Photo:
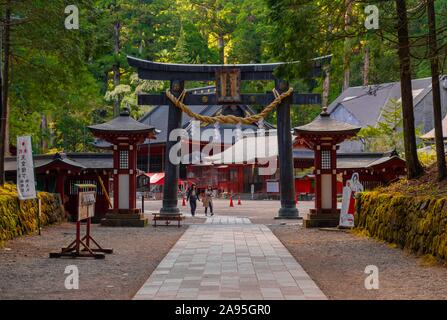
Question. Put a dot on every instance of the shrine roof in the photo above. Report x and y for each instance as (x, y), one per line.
(366, 159)
(365, 105)
(325, 125)
(123, 123)
(82, 161)
(431, 134)
(352, 160)
(159, 116)
(62, 157)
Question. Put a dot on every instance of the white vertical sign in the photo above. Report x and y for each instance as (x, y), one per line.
(348, 201)
(25, 169)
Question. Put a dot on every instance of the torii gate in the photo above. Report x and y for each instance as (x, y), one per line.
(229, 78)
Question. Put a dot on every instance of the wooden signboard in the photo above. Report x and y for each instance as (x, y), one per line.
(86, 205)
(82, 247)
(228, 85)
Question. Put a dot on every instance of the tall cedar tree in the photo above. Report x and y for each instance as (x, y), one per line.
(437, 113)
(414, 168)
(4, 80)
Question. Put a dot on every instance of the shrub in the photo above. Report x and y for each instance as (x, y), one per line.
(19, 218)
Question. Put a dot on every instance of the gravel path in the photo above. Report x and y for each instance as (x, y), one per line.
(26, 272)
(336, 261)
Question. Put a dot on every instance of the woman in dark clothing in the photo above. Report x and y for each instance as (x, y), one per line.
(192, 196)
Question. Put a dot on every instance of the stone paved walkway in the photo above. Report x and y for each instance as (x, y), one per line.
(229, 258)
(227, 220)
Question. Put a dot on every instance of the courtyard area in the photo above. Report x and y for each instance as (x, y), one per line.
(242, 252)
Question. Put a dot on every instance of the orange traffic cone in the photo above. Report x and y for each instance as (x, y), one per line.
(183, 202)
(239, 200)
(231, 201)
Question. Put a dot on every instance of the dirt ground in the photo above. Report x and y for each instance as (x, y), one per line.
(336, 261)
(26, 272)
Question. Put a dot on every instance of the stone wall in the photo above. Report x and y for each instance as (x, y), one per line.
(19, 218)
(418, 224)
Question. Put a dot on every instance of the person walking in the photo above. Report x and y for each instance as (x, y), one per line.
(208, 200)
(192, 196)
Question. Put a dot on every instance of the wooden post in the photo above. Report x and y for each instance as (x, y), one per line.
(172, 170)
(39, 212)
(288, 208)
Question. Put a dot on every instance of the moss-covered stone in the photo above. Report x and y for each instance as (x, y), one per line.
(19, 218)
(415, 223)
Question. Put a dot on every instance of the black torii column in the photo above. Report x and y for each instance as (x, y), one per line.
(172, 170)
(288, 208)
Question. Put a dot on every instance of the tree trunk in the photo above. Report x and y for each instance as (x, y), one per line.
(366, 66)
(116, 66)
(44, 137)
(221, 47)
(105, 83)
(4, 94)
(437, 113)
(326, 86)
(414, 168)
(347, 47)
(6, 67)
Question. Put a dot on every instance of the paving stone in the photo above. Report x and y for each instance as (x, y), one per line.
(229, 258)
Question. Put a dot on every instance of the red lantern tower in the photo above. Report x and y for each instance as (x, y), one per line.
(125, 134)
(323, 136)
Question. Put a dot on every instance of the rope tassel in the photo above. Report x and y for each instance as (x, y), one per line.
(229, 119)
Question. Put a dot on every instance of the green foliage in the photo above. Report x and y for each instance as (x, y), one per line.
(66, 77)
(427, 157)
(387, 134)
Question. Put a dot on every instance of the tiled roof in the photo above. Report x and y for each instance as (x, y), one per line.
(431, 134)
(366, 104)
(80, 160)
(123, 123)
(158, 117)
(325, 124)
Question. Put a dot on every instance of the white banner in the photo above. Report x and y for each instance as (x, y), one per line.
(25, 169)
(348, 201)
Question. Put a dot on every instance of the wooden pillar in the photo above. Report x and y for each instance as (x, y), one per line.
(132, 177)
(334, 177)
(287, 187)
(172, 170)
(240, 177)
(60, 181)
(115, 178)
(318, 178)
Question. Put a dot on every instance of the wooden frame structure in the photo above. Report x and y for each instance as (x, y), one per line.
(81, 247)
